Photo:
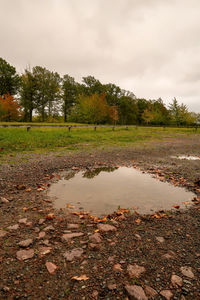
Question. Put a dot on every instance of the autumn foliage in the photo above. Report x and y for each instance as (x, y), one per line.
(9, 108)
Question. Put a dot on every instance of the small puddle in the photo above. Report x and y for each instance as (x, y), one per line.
(188, 157)
(103, 191)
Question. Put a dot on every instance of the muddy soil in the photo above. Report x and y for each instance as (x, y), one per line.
(49, 254)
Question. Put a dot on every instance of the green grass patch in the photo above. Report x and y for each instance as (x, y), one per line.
(15, 140)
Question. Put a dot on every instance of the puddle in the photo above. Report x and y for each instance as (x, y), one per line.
(102, 192)
(188, 157)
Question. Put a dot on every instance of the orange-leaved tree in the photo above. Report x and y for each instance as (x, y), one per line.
(9, 108)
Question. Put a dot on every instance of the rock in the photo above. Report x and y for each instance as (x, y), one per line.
(114, 222)
(75, 253)
(117, 268)
(167, 294)
(41, 221)
(169, 255)
(2, 233)
(23, 221)
(94, 247)
(72, 226)
(135, 292)
(95, 294)
(176, 281)
(160, 239)
(49, 228)
(150, 292)
(95, 238)
(68, 236)
(187, 271)
(112, 286)
(51, 267)
(106, 227)
(138, 237)
(25, 243)
(135, 270)
(44, 250)
(111, 259)
(121, 218)
(3, 200)
(29, 224)
(13, 227)
(46, 242)
(25, 254)
(41, 235)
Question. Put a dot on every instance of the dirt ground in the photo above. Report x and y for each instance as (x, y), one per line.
(48, 254)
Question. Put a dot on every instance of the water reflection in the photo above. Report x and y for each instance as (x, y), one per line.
(102, 190)
(189, 157)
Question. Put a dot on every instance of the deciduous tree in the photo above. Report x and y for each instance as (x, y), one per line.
(9, 108)
(9, 79)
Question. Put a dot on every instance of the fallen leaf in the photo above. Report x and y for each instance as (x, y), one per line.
(50, 216)
(70, 206)
(28, 190)
(186, 202)
(176, 206)
(20, 187)
(138, 221)
(81, 277)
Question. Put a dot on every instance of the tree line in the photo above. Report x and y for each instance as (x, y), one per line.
(42, 95)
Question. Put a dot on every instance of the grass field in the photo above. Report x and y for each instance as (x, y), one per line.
(15, 140)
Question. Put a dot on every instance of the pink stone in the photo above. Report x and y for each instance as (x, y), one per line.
(106, 227)
(75, 253)
(68, 236)
(25, 254)
(117, 268)
(13, 227)
(135, 270)
(25, 243)
(176, 281)
(167, 294)
(136, 292)
(2, 233)
(95, 238)
(23, 221)
(72, 226)
(187, 271)
(150, 292)
(44, 250)
(41, 235)
(51, 267)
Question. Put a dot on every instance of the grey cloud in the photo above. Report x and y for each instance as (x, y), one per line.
(150, 47)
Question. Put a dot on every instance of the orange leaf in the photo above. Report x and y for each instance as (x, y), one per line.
(50, 216)
(81, 277)
(176, 206)
(138, 221)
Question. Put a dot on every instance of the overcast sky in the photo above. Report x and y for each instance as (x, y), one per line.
(150, 47)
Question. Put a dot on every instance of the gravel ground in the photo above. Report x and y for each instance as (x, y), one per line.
(48, 254)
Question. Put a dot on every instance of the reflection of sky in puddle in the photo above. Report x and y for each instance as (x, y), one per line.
(189, 157)
(124, 187)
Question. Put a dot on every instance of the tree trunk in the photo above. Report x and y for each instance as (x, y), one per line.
(30, 115)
